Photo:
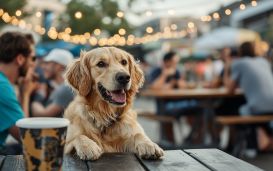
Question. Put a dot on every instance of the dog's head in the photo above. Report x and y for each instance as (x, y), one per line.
(109, 72)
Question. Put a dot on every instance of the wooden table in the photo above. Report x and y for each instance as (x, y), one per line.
(190, 93)
(207, 96)
(175, 160)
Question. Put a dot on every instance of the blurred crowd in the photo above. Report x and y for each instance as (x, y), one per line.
(246, 67)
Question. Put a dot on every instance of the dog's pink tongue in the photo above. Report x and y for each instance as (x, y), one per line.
(118, 96)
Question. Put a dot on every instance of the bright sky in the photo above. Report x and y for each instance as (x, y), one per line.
(161, 8)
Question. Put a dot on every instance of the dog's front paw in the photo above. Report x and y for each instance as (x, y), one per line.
(88, 150)
(149, 150)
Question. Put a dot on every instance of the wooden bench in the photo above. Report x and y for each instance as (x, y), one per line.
(243, 120)
(243, 130)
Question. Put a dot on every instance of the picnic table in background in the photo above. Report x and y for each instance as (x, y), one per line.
(176, 160)
(198, 93)
(206, 96)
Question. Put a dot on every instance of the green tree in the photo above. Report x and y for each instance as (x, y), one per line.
(92, 17)
(11, 6)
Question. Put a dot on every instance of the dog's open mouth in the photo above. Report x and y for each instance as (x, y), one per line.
(117, 97)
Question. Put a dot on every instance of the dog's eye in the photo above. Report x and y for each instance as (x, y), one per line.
(101, 64)
(124, 62)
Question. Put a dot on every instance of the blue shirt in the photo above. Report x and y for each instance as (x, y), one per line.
(10, 109)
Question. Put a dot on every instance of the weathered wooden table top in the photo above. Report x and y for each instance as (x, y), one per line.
(177, 160)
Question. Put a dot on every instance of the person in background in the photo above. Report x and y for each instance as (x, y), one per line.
(16, 60)
(254, 76)
(229, 106)
(210, 72)
(168, 77)
(54, 66)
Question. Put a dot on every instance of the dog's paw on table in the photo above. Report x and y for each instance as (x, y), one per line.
(88, 151)
(149, 151)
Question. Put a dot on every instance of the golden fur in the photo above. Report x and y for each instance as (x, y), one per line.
(98, 126)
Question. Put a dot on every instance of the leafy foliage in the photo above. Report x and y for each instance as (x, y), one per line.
(93, 14)
(11, 6)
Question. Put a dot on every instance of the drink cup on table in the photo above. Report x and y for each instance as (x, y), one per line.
(43, 140)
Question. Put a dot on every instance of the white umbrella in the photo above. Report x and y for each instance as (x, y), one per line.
(225, 37)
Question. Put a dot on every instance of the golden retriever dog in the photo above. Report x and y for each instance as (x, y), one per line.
(102, 120)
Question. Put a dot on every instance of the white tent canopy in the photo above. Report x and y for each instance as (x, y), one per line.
(225, 37)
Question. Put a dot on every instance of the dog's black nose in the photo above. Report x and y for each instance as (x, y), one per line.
(122, 78)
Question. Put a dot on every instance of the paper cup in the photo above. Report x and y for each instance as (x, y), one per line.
(43, 141)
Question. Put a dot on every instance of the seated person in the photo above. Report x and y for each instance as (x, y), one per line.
(16, 60)
(227, 106)
(168, 77)
(61, 95)
(253, 75)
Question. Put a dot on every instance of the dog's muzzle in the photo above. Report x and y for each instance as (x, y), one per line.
(117, 97)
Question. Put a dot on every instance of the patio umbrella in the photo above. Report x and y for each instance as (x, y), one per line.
(225, 37)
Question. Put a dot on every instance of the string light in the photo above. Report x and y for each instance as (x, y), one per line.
(18, 13)
(190, 25)
(68, 30)
(122, 31)
(97, 32)
(15, 21)
(87, 35)
(118, 39)
(206, 18)
(120, 14)
(93, 41)
(216, 16)
(254, 3)
(1, 12)
(38, 14)
(242, 6)
(78, 15)
(6, 17)
(228, 11)
(149, 29)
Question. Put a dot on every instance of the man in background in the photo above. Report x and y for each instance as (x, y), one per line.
(168, 77)
(16, 60)
(61, 95)
(254, 76)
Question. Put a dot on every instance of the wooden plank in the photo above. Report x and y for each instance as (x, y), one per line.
(190, 93)
(2, 158)
(73, 162)
(233, 120)
(14, 163)
(219, 160)
(174, 160)
(116, 162)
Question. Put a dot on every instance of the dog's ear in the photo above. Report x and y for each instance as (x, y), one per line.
(79, 77)
(136, 73)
